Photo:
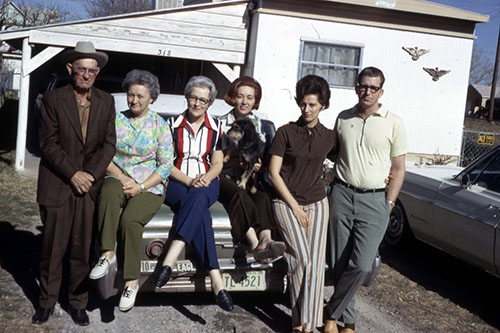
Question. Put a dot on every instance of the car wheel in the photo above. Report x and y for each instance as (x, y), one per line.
(397, 229)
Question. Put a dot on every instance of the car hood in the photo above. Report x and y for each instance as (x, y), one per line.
(440, 172)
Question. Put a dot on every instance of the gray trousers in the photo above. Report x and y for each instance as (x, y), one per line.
(359, 221)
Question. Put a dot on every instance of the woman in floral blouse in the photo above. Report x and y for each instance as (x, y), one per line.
(135, 181)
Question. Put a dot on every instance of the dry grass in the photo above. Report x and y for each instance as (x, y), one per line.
(405, 289)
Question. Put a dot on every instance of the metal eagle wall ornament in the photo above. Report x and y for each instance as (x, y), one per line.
(415, 52)
(436, 73)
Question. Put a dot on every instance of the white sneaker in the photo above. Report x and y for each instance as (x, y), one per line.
(127, 300)
(102, 267)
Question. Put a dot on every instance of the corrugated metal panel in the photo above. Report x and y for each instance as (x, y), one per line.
(485, 91)
(160, 4)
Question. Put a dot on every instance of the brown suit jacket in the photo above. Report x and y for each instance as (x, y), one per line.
(61, 143)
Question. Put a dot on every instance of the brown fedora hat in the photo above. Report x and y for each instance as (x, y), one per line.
(84, 50)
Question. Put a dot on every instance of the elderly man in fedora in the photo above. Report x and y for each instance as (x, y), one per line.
(77, 140)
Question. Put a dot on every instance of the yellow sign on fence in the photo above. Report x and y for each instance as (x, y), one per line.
(485, 139)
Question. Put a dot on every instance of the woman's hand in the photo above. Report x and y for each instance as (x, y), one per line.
(126, 180)
(202, 181)
(282, 189)
(387, 181)
(257, 166)
(131, 190)
(301, 217)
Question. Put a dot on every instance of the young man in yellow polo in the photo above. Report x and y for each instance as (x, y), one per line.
(372, 144)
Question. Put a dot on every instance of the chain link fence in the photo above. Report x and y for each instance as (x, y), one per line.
(475, 143)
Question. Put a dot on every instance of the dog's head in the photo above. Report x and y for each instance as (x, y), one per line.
(241, 128)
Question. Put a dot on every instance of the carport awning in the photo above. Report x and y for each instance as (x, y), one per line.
(215, 32)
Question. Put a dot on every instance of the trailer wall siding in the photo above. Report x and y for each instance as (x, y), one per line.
(431, 110)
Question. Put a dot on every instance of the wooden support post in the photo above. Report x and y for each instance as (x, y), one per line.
(22, 122)
(228, 72)
(494, 81)
(41, 58)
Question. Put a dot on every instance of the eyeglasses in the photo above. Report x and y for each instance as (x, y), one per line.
(82, 70)
(373, 89)
(194, 99)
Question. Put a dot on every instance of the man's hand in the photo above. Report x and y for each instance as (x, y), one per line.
(82, 181)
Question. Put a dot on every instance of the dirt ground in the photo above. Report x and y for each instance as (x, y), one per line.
(417, 285)
(474, 124)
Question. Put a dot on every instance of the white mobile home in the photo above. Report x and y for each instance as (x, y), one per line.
(335, 39)
(278, 41)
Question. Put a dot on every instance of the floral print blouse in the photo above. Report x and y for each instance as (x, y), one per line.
(143, 146)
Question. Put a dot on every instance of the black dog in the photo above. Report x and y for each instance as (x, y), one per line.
(249, 146)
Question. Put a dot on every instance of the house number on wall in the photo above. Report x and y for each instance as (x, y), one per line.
(164, 52)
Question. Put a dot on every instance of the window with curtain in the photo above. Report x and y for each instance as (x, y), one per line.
(337, 64)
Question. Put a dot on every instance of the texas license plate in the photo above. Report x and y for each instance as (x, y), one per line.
(239, 281)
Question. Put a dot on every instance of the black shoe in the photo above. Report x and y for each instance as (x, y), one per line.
(224, 300)
(162, 276)
(80, 317)
(41, 315)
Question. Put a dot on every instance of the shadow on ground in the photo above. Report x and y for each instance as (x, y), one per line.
(261, 305)
(20, 256)
(453, 279)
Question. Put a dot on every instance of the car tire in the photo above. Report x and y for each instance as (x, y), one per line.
(397, 229)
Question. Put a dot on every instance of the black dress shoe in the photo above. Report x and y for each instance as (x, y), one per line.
(224, 300)
(41, 315)
(162, 276)
(80, 317)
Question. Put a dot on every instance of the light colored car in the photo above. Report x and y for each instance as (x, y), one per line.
(240, 272)
(453, 209)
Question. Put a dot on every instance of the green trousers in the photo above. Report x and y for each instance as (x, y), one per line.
(126, 217)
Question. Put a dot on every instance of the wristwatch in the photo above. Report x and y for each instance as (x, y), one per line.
(142, 188)
(391, 203)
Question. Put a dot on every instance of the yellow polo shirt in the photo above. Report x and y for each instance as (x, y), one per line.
(367, 146)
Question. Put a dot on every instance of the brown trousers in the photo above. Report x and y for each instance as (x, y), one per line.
(68, 225)
(245, 209)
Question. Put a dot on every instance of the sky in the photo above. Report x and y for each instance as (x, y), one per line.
(487, 33)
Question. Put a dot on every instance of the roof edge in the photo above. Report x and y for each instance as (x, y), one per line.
(129, 15)
(428, 8)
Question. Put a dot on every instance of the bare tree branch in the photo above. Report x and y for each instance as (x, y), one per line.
(100, 8)
(481, 69)
(33, 14)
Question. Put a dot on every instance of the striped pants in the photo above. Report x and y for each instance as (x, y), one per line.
(305, 256)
